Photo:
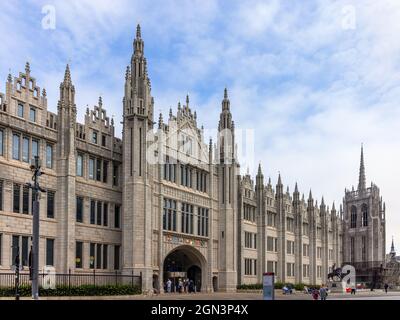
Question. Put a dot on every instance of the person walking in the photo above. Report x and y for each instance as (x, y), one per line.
(386, 287)
(169, 284)
(323, 293)
(315, 294)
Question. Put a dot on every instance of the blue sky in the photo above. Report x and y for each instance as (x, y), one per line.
(313, 79)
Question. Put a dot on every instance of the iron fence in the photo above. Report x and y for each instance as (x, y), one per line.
(8, 280)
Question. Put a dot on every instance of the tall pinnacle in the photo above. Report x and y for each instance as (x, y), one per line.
(67, 75)
(392, 247)
(259, 173)
(295, 188)
(138, 32)
(361, 179)
(279, 179)
(225, 93)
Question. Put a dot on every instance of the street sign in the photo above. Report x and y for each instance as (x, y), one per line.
(268, 286)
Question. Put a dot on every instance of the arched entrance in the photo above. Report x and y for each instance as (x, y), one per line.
(184, 262)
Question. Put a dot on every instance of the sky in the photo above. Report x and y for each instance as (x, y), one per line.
(312, 79)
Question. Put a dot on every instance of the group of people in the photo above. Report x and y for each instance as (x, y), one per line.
(321, 293)
(181, 286)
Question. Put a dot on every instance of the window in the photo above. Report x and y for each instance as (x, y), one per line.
(250, 240)
(353, 217)
(20, 110)
(92, 254)
(32, 114)
(98, 169)
(319, 271)
(103, 140)
(272, 266)
(25, 149)
(319, 253)
(330, 254)
(290, 247)
(117, 216)
(35, 148)
(272, 244)
(49, 156)
(187, 218)
(115, 174)
(98, 256)
(105, 256)
(99, 206)
(319, 233)
(78, 255)
(290, 224)
(1, 143)
(94, 137)
(364, 248)
(79, 165)
(50, 204)
(105, 214)
(15, 250)
(16, 146)
(306, 250)
(117, 250)
(1, 248)
(290, 269)
(169, 215)
(364, 215)
(202, 222)
(49, 252)
(92, 211)
(79, 209)
(105, 171)
(25, 251)
(271, 219)
(25, 200)
(169, 170)
(91, 168)
(1, 195)
(249, 213)
(250, 267)
(16, 197)
(306, 270)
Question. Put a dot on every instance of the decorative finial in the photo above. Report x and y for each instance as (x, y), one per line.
(295, 188)
(67, 75)
(127, 73)
(187, 100)
(9, 78)
(138, 32)
(100, 102)
(27, 67)
(179, 106)
(225, 93)
(44, 92)
(160, 121)
(170, 113)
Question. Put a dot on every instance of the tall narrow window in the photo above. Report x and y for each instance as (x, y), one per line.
(94, 137)
(25, 200)
(79, 209)
(1, 249)
(16, 146)
(105, 171)
(50, 252)
(140, 151)
(49, 156)
(15, 250)
(1, 143)
(79, 255)
(105, 256)
(25, 251)
(353, 217)
(364, 212)
(103, 140)
(25, 149)
(105, 214)
(115, 174)
(50, 204)
(32, 114)
(92, 254)
(35, 148)
(1, 195)
(91, 168)
(79, 165)
(352, 250)
(131, 151)
(16, 197)
(99, 205)
(20, 110)
(98, 169)
(92, 212)
(116, 257)
(117, 216)
(98, 256)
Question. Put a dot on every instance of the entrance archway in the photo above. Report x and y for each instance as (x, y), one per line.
(184, 262)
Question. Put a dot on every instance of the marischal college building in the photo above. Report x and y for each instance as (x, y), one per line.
(161, 202)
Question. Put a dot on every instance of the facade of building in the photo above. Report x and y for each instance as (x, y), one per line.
(161, 202)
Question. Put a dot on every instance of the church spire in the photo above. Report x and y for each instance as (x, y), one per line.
(361, 179)
(138, 32)
(392, 247)
(67, 75)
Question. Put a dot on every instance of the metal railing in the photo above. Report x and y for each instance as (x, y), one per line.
(8, 280)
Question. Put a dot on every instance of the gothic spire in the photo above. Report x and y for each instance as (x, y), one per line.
(259, 172)
(279, 179)
(138, 32)
(392, 247)
(27, 68)
(361, 179)
(295, 188)
(67, 75)
(310, 196)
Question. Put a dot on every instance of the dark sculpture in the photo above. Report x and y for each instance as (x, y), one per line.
(336, 274)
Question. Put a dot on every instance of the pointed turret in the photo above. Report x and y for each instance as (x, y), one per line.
(67, 90)
(259, 177)
(361, 179)
(9, 78)
(160, 121)
(279, 185)
(67, 75)
(138, 44)
(27, 68)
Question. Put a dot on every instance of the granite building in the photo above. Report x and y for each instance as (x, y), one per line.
(161, 201)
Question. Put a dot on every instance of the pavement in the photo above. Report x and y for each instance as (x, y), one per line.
(254, 295)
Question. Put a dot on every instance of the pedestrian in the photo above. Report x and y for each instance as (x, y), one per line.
(191, 285)
(180, 286)
(353, 289)
(169, 283)
(186, 284)
(323, 292)
(386, 287)
(315, 294)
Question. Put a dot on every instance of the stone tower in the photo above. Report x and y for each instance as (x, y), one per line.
(364, 227)
(66, 172)
(137, 177)
(227, 172)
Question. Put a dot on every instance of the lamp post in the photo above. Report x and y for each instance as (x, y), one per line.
(36, 189)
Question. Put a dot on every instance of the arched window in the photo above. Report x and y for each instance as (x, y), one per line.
(364, 215)
(353, 217)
